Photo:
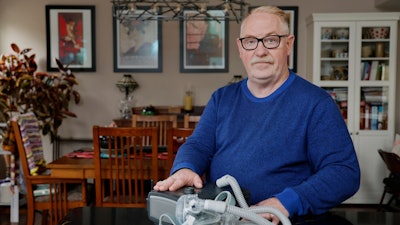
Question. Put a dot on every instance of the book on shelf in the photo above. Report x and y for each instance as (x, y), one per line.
(376, 95)
(366, 117)
(374, 70)
(362, 66)
(381, 118)
(384, 72)
(366, 69)
(362, 115)
(373, 116)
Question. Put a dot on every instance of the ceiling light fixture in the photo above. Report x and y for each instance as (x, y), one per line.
(234, 10)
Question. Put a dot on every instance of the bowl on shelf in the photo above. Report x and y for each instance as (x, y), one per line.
(379, 32)
(326, 33)
(342, 33)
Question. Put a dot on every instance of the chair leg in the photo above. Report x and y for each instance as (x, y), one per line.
(30, 215)
(381, 201)
(390, 200)
(45, 217)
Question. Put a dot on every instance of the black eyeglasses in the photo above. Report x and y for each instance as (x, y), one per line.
(269, 42)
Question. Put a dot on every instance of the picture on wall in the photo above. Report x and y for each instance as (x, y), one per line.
(292, 12)
(71, 37)
(137, 44)
(203, 44)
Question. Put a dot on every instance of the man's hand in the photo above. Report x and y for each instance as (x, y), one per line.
(181, 178)
(275, 203)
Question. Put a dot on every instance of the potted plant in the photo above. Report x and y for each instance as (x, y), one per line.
(23, 89)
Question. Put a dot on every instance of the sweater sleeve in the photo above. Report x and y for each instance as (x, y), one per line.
(196, 154)
(331, 153)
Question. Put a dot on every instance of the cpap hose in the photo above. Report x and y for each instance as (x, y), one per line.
(267, 209)
(222, 207)
(229, 180)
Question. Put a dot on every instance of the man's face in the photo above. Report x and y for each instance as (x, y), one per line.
(262, 63)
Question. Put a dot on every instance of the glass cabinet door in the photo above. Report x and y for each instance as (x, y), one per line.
(375, 46)
(334, 61)
(374, 108)
(334, 47)
(373, 86)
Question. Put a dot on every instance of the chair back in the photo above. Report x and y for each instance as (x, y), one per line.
(162, 122)
(29, 143)
(124, 166)
(392, 161)
(190, 121)
(53, 196)
(176, 137)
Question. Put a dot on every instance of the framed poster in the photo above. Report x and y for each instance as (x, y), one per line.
(292, 12)
(137, 44)
(203, 44)
(70, 32)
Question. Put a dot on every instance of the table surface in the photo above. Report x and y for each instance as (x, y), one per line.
(83, 168)
(137, 216)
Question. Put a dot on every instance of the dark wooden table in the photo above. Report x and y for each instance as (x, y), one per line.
(130, 216)
(66, 167)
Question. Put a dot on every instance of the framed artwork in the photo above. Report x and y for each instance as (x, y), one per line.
(137, 44)
(292, 12)
(203, 44)
(70, 32)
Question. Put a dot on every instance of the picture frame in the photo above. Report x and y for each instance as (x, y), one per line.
(70, 34)
(145, 57)
(204, 44)
(292, 11)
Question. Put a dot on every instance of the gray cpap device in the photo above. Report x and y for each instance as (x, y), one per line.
(212, 205)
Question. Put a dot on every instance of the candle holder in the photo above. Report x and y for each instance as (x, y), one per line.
(127, 85)
(188, 102)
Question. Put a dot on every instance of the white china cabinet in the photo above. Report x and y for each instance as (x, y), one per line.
(353, 56)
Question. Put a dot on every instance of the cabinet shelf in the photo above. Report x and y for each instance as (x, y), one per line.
(376, 40)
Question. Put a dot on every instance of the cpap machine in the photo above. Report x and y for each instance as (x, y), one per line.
(212, 205)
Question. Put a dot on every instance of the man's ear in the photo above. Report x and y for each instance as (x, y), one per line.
(290, 43)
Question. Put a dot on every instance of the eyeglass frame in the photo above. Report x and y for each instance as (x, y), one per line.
(262, 41)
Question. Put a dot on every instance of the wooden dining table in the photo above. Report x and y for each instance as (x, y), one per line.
(72, 167)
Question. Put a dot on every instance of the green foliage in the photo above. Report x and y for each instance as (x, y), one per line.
(23, 90)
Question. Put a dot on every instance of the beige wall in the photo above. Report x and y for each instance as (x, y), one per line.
(23, 22)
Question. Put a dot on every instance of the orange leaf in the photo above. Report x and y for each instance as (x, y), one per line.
(15, 48)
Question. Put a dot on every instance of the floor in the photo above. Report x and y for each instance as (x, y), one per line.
(5, 216)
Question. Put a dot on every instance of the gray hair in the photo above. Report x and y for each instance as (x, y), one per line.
(284, 17)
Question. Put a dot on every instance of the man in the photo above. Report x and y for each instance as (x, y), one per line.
(280, 136)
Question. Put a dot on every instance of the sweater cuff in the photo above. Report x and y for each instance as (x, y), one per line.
(291, 201)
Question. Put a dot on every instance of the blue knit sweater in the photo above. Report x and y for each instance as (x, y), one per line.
(293, 144)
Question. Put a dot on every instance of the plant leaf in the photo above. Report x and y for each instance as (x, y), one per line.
(60, 65)
(15, 48)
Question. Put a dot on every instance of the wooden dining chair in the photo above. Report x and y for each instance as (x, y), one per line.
(124, 167)
(176, 137)
(392, 182)
(162, 122)
(190, 121)
(51, 196)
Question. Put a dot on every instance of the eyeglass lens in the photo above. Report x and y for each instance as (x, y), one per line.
(269, 42)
